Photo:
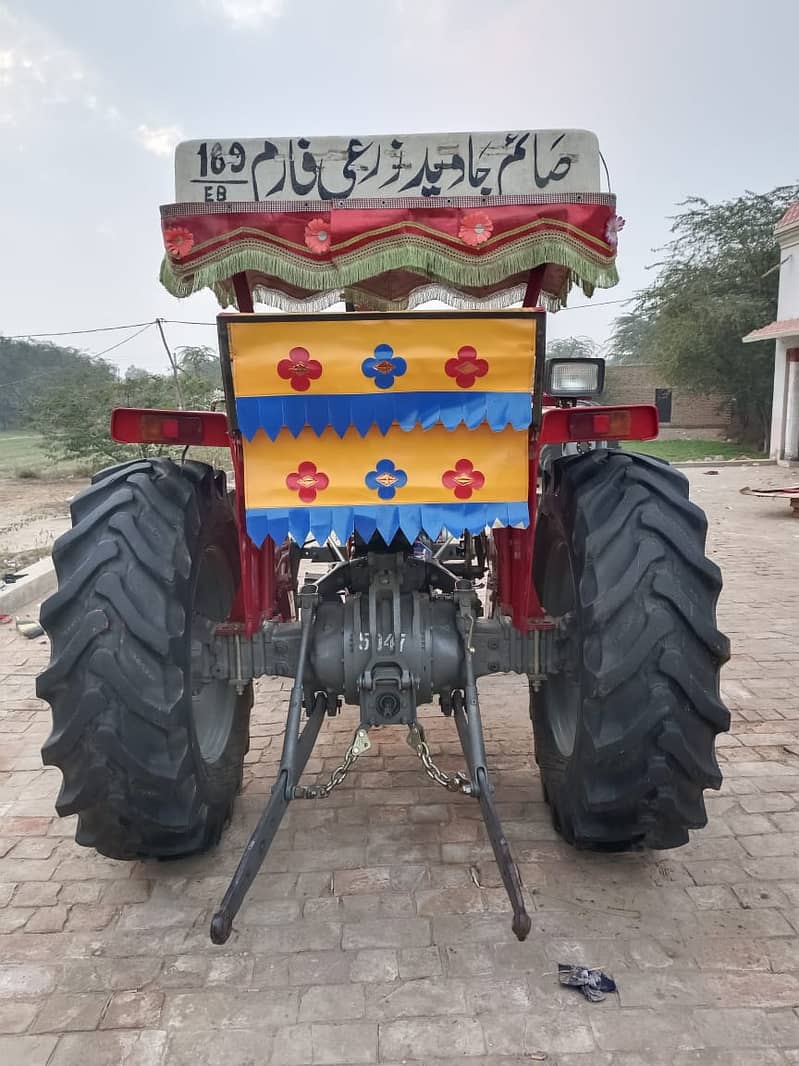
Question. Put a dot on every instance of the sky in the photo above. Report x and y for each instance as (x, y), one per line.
(688, 97)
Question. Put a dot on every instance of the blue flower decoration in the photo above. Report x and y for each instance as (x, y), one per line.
(386, 479)
(384, 366)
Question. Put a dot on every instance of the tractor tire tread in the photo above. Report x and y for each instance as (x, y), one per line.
(651, 653)
(118, 679)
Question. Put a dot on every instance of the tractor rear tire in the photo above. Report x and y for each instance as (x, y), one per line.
(624, 732)
(151, 761)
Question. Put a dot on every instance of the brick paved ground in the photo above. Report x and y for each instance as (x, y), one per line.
(365, 939)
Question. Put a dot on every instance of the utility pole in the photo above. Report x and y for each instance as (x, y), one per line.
(172, 362)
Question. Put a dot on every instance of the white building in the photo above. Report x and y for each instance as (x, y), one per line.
(785, 412)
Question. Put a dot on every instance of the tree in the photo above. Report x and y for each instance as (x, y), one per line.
(715, 283)
(631, 339)
(27, 368)
(572, 348)
(135, 373)
(200, 376)
(200, 362)
(73, 414)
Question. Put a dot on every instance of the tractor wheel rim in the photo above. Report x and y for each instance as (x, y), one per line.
(563, 689)
(213, 703)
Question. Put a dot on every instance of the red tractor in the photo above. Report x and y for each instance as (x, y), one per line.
(469, 499)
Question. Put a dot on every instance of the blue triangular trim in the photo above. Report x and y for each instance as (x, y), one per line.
(363, 411)
(387, 519)
(365, 521)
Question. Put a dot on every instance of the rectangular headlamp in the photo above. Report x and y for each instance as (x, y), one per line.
(574, 377)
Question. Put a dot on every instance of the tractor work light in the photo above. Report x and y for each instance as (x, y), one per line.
(574, 378)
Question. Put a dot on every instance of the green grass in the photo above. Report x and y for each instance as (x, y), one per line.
(683, 451)
(23, 455)
(20, 449)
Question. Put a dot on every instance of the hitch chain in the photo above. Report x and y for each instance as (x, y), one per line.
(456, 782)
(360, 744)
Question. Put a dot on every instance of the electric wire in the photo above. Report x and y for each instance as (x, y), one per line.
(186, 322)
(51, 370)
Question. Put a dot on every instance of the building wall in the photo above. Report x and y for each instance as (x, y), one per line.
(636, 383)
(788, 297)
(787, 307)
(779, 403)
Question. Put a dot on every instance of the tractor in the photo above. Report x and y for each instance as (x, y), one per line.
(466, 503)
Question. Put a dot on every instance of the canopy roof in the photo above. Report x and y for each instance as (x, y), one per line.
(789, 219)
(785, 327)
(391, 221)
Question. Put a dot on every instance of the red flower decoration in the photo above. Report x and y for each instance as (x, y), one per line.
(307, 481)
(179, 241)
(466, 367)
(317, 236)
(476, 227)
(299, 369)
(464, 479)
(613, 229)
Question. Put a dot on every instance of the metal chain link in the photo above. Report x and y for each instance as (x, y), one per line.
(360, 744)
(456, 782)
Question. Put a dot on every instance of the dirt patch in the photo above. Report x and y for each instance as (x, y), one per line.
(32, 514)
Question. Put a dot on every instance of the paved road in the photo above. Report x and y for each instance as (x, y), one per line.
(365, 939)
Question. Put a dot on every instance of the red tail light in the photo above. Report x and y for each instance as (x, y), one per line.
(132, 425)
(564, 424)
(589, 425)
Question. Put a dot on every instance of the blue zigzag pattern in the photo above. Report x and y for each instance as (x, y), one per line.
(407, 409)
(385, 519)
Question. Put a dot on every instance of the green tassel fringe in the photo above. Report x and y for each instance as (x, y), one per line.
(328, 281)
